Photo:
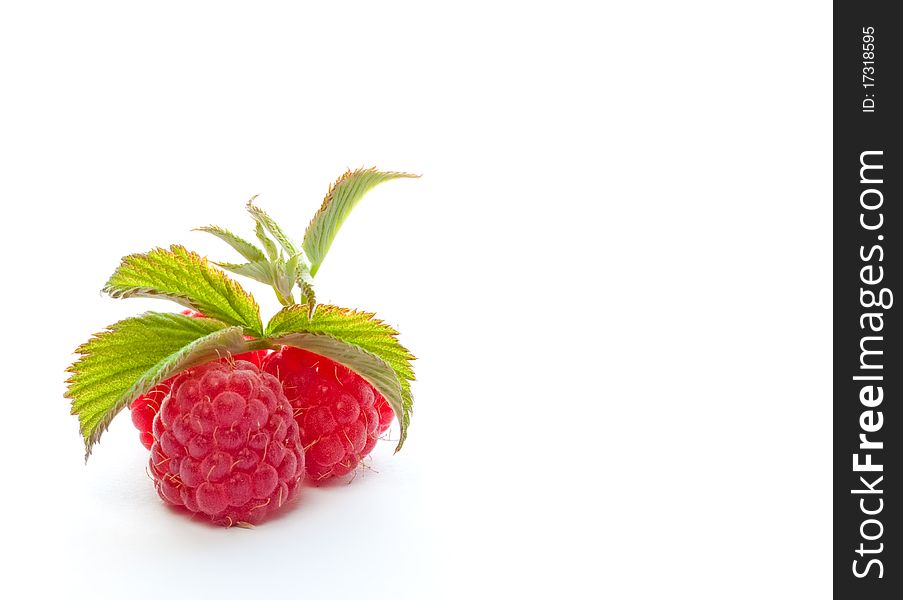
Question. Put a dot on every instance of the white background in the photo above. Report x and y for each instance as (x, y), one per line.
(615, 272)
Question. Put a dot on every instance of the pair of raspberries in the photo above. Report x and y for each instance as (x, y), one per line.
(237, 413)
(233, 439)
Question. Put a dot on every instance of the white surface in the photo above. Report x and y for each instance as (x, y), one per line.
(615, 271)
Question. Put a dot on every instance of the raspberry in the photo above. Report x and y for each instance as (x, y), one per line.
(225, 444)
(340, 415)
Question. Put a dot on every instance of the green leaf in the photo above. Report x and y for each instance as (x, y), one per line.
(308, 296)
(270, 225)
(268, 244)
(360, 329)
(189, 279)
(258, 271)
(283, 284)
(298, 272)
(342, 197)
(248, 250)
(369, 366)
(134, 355)
(271, 268)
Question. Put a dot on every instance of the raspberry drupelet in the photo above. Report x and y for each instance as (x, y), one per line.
(145, 407)
(225, 445)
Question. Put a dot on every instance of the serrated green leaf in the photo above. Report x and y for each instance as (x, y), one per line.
(297, 268)
(360, 329)
(270, 225)
(189, 279)
(248, 250)
(308, 296)
(258, 271)
(134, 355)
(298, 272)
(283, 283)
(268, 244)
(342, 197)
(369, 366)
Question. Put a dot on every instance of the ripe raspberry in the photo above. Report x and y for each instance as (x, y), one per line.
(225, 444)
(340, 415)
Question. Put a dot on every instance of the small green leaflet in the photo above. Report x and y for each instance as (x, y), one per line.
(266, 242)
(298, 270)
(359, 329)
(270, 225)
(308, 296)
(189, 279)
(258, 271)
(134, 355)
(342, 197)
(251, 252)
(259, 268)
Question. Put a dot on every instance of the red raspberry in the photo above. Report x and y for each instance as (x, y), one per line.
(340, 415)
(226, 445)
